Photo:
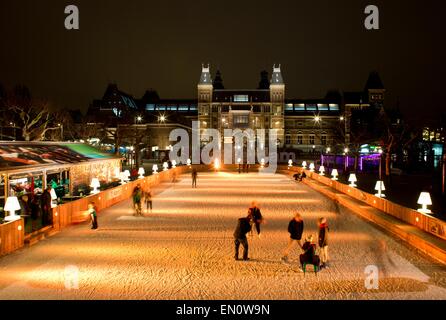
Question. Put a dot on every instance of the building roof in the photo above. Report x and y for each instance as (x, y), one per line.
(374, 81)
(26, 155)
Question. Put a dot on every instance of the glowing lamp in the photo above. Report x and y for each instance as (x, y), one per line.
(380, 188)
(174, 164)
(189, 163)
(141, 173)
(117, 173)
(334, 174)
(12, 205)
(95, 185)
(312, 167)
(155, 169)
(123, 177)
(425, 200)
(290, 163)
(216, 164)
(352, 179)
(322, 170)
(304, 165)
(239, 160)
(262, 163)
(165, 166)
(127, 175)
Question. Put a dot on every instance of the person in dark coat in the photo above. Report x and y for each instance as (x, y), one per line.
(323, 241)
(45, 201)
(256, 216)
(309, 256)
(194, 178)
(243, 227)
(35, 212)
(92, 211)
(295, 229)
(137, 199)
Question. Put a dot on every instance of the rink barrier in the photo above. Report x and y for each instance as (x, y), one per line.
(12, 234)
(420, 220)
(75, 212)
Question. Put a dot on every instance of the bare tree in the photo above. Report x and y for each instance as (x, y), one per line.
(33, 115)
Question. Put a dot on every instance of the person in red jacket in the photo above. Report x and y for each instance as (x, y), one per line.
(323, 241)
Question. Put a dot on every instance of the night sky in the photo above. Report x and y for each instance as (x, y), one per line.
(143, 44)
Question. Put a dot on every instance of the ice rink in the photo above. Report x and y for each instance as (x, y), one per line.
(184, 250)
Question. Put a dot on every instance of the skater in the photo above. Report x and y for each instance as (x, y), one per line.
(194, 178)
(295, 228)
(255, 216)
(309, 256)
(243, 227)
(93, 215)
(148, 200)
(137, 198)
(323, 241)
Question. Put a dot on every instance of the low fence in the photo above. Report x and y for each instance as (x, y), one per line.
(12, 234)
(420, 220)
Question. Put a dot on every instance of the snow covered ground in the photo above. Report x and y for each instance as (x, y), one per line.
(184, 250)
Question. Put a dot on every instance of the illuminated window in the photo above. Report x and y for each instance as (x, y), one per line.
(241, 119)
(311, 107)
(300, 139)
(288, 139)
(334, 107)
(241, 98)
(311, 139)
(322, 107)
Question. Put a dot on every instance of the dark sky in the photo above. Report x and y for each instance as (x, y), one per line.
(143, 44)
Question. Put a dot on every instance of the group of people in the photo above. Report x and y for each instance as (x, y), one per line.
(139, 196)
(37, 207)
(295, 229)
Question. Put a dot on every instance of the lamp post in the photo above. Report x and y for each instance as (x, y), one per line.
(380, 163)
(12, 205)
(346, 150)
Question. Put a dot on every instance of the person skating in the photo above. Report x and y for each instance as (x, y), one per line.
(323, 241)
(256, 216)
(243, 227)
(194, 178)
(309, 256)
(148, 200)
(137, 198)
(93, 215)
(295, 229)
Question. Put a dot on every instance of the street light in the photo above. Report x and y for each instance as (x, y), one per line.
(317, 119)
(380, 163)
(12, 205)
(380, 188)
(425, 200)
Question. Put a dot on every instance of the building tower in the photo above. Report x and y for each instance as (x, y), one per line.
(205, 89)
(277, 94)
(375, 91)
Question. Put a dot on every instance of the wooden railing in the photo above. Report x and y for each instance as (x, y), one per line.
(12, 236)
(420, 220)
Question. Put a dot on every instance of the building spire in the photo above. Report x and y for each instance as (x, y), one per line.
(205, 77)
(277, 75)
